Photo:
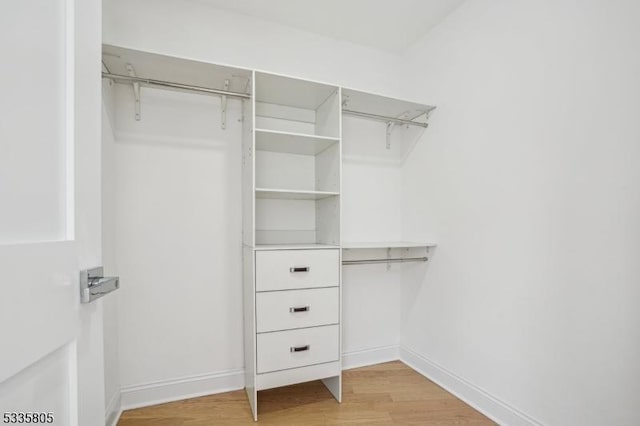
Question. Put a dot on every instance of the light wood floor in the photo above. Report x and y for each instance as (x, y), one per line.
(384, 394)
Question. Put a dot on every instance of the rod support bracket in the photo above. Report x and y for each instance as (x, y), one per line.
(223, 107)
(136, 90)
(390, 126)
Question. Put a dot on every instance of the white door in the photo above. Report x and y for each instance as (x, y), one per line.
(50, 344)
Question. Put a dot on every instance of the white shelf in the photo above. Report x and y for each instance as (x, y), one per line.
(294, 246)
(288, 194)
(178, 70)
(369, 103)
(291, 142)
(383, 245)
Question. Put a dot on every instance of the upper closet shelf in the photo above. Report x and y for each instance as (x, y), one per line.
(287, 194)
(127, 66)
(381, 108)
(384, 245)
(295, 246)
(291, 142)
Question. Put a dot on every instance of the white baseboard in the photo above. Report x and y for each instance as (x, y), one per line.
(181, 388)
(113, 410)
(371, 356)
(492, 407)
(147, 394)
(206, 384)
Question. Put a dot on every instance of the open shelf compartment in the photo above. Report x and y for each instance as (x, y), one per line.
(296, 106)
(292, 142)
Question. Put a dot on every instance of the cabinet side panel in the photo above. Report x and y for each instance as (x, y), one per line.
(327, 169)
(328, 116)
(249, 294)
(328, 221)
(248, 180)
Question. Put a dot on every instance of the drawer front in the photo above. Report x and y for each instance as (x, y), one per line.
(283, 310)
(297, 348)
(295, 269)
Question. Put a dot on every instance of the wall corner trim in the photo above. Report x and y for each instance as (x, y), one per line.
(492, 407)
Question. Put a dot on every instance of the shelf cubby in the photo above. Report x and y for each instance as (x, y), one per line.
(296, 106)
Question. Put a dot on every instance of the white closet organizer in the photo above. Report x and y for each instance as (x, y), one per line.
(291, 170)
(292, 163)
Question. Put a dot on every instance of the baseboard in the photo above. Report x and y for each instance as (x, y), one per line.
(147, 394)
(370, 356)
(492, 407)
(113, 410)
(181, 388)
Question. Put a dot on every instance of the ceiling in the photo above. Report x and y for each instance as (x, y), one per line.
(390, 25)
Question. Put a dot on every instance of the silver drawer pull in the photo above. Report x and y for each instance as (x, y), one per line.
(299, 348)
(299, 269)
(300, 309)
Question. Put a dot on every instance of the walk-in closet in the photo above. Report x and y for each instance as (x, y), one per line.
(287, 190)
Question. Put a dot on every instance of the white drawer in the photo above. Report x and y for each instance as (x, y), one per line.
(296, 269)
(284, 310)
(281, 350)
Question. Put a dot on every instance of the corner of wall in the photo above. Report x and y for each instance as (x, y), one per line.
(113, 410)
(492, 407)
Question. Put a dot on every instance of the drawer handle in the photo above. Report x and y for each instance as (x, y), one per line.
(300, 309)
(299, 269)
(300, 348)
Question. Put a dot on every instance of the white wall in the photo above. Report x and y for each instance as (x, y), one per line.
(528, 179)
(371, 211)
(178, 238)
(193, 29)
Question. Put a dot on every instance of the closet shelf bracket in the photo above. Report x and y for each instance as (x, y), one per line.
(390, 126)
(136, 90)
(223, 106)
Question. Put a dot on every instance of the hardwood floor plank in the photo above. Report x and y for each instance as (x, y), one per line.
(383, 394)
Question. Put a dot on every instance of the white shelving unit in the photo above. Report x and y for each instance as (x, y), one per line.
(292, 163)
(297, 161)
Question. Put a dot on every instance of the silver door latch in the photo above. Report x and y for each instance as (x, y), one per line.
(93, 284)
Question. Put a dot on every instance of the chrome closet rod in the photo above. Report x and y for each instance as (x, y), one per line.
(392, 260)
(161, 83)
(384, 118)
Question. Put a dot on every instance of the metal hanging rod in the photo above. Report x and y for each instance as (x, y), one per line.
(384, 118)
(391, 260)
(151, 82)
